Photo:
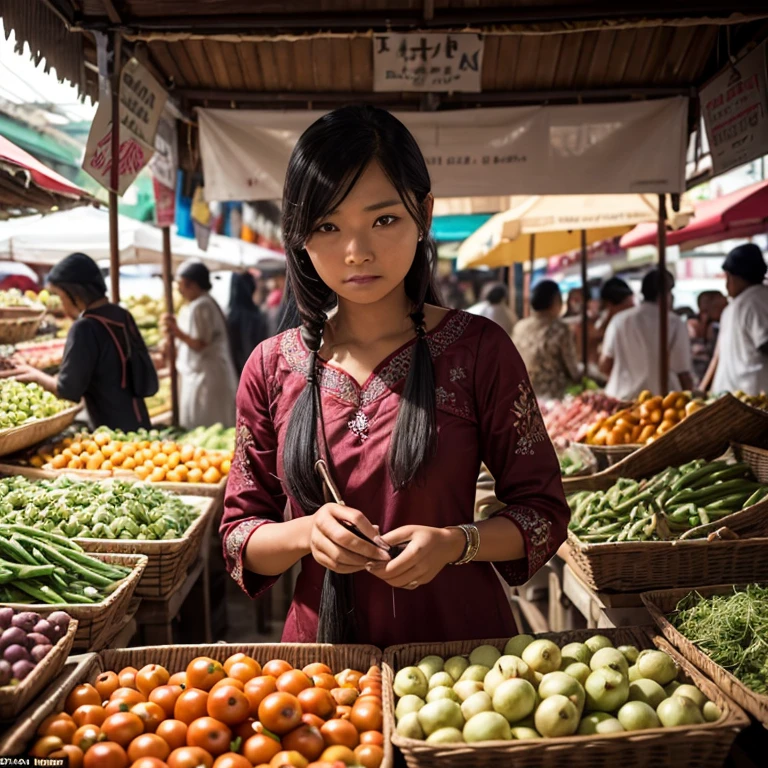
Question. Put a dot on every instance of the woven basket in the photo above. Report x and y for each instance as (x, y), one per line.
(757, 458)
(14, 699)
(167, 561)
(608, 455)
(98, 623)
(663, 603)
(175, 659)
(19, 324)
(25, 436)
(699, 746)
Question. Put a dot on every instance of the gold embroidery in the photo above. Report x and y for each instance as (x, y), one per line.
(529, 424)
(233, 545)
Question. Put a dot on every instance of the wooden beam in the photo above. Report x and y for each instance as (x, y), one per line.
(114, 237)
(429, 10)
(112, 13)
(663, 298)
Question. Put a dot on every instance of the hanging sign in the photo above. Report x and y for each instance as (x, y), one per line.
(141, 103)
(427, 61)
(164, 165)
(734, 106)
(548, 150)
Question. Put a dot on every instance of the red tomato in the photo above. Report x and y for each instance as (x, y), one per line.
(191, 705)
(105, 755)
(122, 728)
(150, 677)
(280, 713)
(229, 705)
(306, 740)
(173, 732)
(209, 734)
(82, 695)
(231, 760)
(148, 745)
(261, 748)
(257, 690)
(189, 757)
(166, 696)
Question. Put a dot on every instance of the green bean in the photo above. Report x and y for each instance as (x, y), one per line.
(756, 497)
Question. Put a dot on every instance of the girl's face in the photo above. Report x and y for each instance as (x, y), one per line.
(364, 249)
(71, 310)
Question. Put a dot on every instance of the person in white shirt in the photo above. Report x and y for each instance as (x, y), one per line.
(494, 306)
(741, 359)
(630, 355)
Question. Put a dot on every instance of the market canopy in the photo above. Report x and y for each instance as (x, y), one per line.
(546, 226)
(45, 240)
(740, 214)
(27, 186)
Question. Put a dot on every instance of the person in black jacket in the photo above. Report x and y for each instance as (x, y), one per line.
(246, 323)
(106, 361)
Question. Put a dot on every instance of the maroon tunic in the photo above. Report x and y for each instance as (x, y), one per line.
(486, 412)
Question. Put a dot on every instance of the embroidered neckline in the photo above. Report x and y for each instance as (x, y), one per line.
(386, 375)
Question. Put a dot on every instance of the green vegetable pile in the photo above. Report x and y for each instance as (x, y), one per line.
(732, 630)
(215, 438)
(88, 510)
(22, 403)
(40, 567)
(676, 503)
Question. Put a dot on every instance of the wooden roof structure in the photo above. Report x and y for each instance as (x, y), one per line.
(318, 53)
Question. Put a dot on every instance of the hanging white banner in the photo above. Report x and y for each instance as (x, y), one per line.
(734, 106)
(578, 149)
(427, 61)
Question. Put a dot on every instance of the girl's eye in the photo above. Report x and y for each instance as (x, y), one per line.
(327, 227)
(385, 221)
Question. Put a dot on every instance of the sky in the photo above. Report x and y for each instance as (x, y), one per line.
(22, 82)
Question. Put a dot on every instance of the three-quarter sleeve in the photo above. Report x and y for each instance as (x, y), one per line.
(517, 450)
(254, 496)
(79, 363)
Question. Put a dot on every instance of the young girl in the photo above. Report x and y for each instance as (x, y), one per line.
(402, 398)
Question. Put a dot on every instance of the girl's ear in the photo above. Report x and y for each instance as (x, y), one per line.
(429, 205)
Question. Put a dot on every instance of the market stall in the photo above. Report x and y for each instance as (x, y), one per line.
(625, 695)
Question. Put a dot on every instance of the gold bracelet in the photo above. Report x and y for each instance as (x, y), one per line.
(472, 546)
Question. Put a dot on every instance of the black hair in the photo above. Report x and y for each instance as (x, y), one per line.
(651, 288)
(241, 290)
(615, 291)
(544, 295)
(196, 272)
(495, 293)
(326, 163)
(85, 293)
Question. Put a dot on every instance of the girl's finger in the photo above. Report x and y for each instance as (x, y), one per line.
(343, 537)
(413, 578)
(338, 555)
(359, 520)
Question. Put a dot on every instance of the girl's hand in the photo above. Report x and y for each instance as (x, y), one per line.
(336, 547)
(26, 374)
(429, 550)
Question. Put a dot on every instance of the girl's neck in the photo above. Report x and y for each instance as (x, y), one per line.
(368, 323)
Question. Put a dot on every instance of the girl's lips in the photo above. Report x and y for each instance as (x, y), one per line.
(362, 279)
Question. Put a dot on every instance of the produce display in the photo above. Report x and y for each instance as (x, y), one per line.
(576, 460)
(756, 401)
(88, 510)
(649, 418)
(535, 689)
(154, 461)
(235, 715)
(215, 438)
(14, 298)
(42, 355)
(732, 630)
(147, 313)
(25, 640)
(23, 403)
(672, 504)
(567, 420)
(39, 567)
(160, 402)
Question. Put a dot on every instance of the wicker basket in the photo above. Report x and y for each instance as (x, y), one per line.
(699, 745)
(25, 436)
(167, 561)
(175, 659)
(608, 455)
(14, 699)
(19, 324)
(97, 622)
(663, 603)
(757, 458)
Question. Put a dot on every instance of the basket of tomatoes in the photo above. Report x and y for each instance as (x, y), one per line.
(216, 706)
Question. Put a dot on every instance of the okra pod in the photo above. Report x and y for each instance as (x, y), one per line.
(41, 593)
(51, 537)
(626, 506)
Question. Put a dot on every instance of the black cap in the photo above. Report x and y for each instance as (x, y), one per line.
(197, 272)
(78, 268)
(746, 261)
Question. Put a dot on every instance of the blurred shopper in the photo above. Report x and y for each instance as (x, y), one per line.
(703, 330)
(204, 362)
(616, 296)
(741, 362)
(106, 361)
(546, 343)
(630, 356)
(494, 304)
(246, 323)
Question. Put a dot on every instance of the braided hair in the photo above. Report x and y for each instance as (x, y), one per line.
(326, 163)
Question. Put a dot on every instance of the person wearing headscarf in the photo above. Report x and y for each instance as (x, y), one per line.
(741, 359)
(246, 323)
(106, 361)
(204, 359)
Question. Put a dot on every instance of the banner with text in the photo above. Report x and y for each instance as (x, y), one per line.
(164, 165)
(427, 61)
(549, 150)
(141, 103)
(734, 106)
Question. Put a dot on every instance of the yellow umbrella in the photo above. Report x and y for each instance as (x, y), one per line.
(546, 226)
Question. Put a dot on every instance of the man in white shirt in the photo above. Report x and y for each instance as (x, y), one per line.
(630, 355)
(494, 306)
(741, 360)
